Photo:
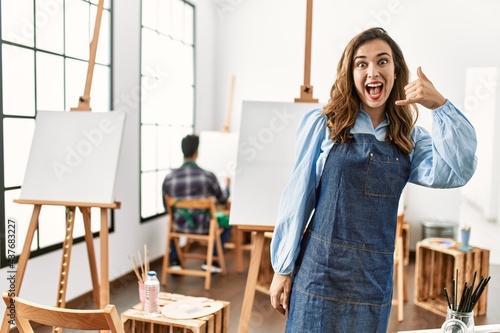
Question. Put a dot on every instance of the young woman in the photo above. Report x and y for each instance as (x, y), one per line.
(354, 158)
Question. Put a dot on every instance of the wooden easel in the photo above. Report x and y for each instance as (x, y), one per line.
(306, 96)
(100, 288)
(225, 127)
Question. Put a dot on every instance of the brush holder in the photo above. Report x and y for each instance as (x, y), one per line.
(458, 322)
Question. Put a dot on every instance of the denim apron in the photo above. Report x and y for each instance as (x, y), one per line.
(343, 276)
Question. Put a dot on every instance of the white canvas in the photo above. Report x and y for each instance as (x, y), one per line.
(266, 155)
(480, 106)
(74, 157)
(217, 153)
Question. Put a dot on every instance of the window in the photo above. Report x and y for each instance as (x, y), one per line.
(44, 52)
(167, 94)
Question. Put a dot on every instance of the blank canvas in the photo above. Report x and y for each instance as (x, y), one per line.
(266, 155)
(74, 157)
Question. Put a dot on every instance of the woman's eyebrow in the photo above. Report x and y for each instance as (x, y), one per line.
(378, 55)
(383, 54)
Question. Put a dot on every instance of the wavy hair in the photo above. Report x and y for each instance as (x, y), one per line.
(343, 107)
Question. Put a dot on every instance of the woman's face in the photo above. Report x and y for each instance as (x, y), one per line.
(373, 73)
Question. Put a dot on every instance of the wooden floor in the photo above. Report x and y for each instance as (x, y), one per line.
(264, 319)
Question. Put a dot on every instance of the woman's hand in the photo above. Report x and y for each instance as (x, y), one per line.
(422, 91)
(280, 292)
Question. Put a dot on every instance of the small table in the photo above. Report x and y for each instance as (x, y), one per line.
(436, 265)
(135, 321)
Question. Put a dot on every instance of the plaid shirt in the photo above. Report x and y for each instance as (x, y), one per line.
(190, 181)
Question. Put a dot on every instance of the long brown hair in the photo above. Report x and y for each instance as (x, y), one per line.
(343, 106)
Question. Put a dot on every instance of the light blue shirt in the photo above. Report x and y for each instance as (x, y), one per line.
(445, 160)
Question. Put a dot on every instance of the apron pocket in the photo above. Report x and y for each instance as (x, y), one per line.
(345, 272)
(383, 176)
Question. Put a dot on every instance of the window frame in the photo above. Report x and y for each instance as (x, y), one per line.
(189, 129)
(36, 248)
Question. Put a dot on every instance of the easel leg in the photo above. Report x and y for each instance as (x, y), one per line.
(25, 254)
(210, 256)
(103, 235)
(91, 255)
(66, 257)
(23, 260)
(253, 272)
(238, 249)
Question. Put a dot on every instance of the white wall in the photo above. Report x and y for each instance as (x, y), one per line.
(262, 44)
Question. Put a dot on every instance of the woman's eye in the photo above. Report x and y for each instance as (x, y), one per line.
(383, 62)
(361, 64)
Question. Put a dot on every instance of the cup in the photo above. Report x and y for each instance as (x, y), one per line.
(458, 322)
(142, 296)
(465, 233)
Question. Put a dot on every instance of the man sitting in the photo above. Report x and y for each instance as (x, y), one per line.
(191, 182)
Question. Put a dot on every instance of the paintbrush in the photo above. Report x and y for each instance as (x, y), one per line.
(136, 271)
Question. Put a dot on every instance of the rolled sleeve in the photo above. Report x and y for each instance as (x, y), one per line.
(447, 158)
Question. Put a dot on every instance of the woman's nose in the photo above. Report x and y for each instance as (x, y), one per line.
(372, 72)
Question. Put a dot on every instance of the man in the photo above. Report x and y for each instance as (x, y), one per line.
(190, 181)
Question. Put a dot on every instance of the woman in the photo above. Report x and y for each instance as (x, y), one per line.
(354, 158)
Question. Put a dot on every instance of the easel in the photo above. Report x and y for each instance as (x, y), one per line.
(306, 95)
(100, 290)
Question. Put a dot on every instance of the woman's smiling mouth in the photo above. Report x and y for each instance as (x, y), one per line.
(374, 90)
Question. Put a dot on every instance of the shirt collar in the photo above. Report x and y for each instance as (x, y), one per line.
(188, 163)
(364, 124)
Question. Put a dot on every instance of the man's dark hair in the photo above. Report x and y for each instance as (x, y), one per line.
(190, 145)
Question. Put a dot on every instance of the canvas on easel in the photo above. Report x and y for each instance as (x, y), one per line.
(73, 163)
(217, 153)
(74, 157)
(268, 161)
(266, 155)
(265, 159)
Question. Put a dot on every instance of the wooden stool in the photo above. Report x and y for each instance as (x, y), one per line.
(135, 321)
(211, 239)
(435, 268)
